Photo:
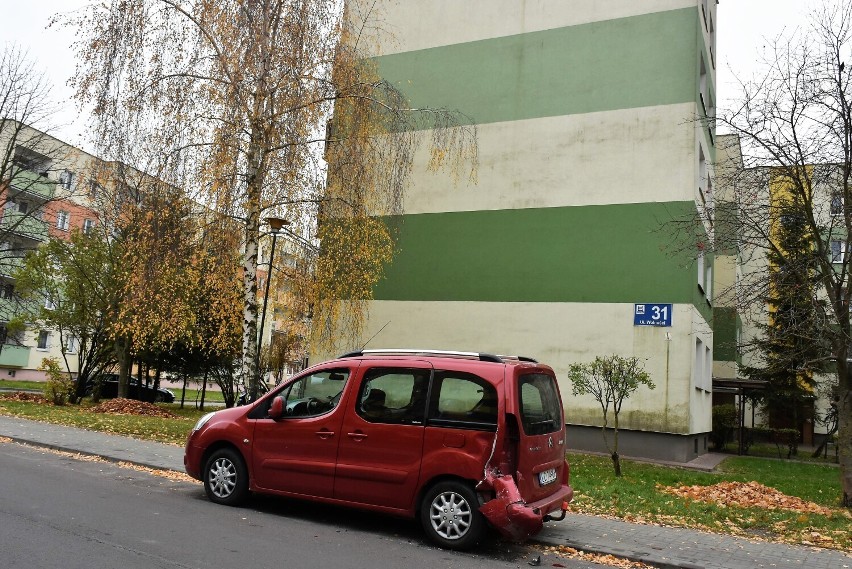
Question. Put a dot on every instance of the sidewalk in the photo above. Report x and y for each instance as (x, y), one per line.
(660, 546)
(111, 447)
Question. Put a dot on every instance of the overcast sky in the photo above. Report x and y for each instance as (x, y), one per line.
(741, 28)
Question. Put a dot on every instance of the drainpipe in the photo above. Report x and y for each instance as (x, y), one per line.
(666, 405)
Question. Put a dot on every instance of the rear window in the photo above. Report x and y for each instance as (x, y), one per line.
(541, 410)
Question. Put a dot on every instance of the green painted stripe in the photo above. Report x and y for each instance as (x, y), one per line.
(725, 334)
(623, 63)
(611, 253)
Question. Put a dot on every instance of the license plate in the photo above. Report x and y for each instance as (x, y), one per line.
(547, 477)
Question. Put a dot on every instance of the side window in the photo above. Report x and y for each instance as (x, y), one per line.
(392, 395)
(463, 401)
(310, 396)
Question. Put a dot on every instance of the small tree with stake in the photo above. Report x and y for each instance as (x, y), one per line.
(610, 380)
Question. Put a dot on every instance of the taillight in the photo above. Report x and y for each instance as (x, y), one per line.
(566, 474)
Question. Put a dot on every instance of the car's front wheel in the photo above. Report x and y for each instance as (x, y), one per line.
(226, 477)
(450, 515)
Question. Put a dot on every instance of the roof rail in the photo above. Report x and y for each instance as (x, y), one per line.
(447, 353)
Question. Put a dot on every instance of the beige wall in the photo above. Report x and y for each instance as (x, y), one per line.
(560, 334)
(622, 162)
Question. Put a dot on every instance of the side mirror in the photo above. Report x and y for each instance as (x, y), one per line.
(276, 409)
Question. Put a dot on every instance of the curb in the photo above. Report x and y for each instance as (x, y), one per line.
(639, 556)
(105, 458)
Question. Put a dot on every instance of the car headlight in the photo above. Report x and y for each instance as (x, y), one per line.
(203, 421)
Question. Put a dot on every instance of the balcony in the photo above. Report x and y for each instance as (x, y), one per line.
(14, 356)
(32, 183)
(25, 225)
(9, 264)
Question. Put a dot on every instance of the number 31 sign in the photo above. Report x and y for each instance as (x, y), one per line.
(652, 314)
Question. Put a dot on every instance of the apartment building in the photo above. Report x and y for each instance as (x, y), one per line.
(593, 139)
(45, 192)
(751, 205)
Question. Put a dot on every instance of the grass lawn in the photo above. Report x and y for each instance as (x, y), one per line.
(14, 384)
(193, 395)
(638, 496)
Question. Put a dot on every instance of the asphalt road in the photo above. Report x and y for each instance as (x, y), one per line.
(59, 512)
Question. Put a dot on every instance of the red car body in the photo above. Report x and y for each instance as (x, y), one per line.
(455, 438)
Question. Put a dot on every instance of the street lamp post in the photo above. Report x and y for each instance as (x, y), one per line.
(275, 225)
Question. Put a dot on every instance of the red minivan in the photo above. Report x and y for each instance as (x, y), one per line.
(461, 440)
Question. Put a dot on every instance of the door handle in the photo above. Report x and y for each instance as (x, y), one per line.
(325, 434)
(357, 436)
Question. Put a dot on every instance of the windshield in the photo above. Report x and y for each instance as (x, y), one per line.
(541, 409)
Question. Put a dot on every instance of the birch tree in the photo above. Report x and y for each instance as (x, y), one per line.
(229, 100)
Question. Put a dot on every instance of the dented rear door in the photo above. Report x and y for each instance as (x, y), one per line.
(541, 444)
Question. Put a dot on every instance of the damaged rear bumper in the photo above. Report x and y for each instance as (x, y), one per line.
(515, 519)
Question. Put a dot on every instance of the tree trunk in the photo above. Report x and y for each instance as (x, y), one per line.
(123, 367)
(252, 235)
(616, 463)
(844, 442)
(844, 423)
(80, 387)
(203, 390)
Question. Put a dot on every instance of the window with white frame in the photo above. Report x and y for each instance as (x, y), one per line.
(701, 270)
(49, 304)
(63, 220)
(708, 283)
(708, 369)
(43, 340)
(837, 203)
(72, 344)
(698, 366)
(702, 370)
(702, 176)
(711, 35)
(88, 225)
(95, 190)
(66, 179)
(838, 250)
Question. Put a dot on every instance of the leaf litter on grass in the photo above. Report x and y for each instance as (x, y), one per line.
(746, 495)
(121, 406)
(25, 397)
(755, 495)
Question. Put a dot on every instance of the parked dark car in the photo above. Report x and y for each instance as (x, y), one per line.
(109, 390)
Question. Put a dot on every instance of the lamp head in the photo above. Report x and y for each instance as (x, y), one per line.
(276, 223)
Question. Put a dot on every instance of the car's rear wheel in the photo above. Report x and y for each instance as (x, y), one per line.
(450, 515)
(226, 477)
